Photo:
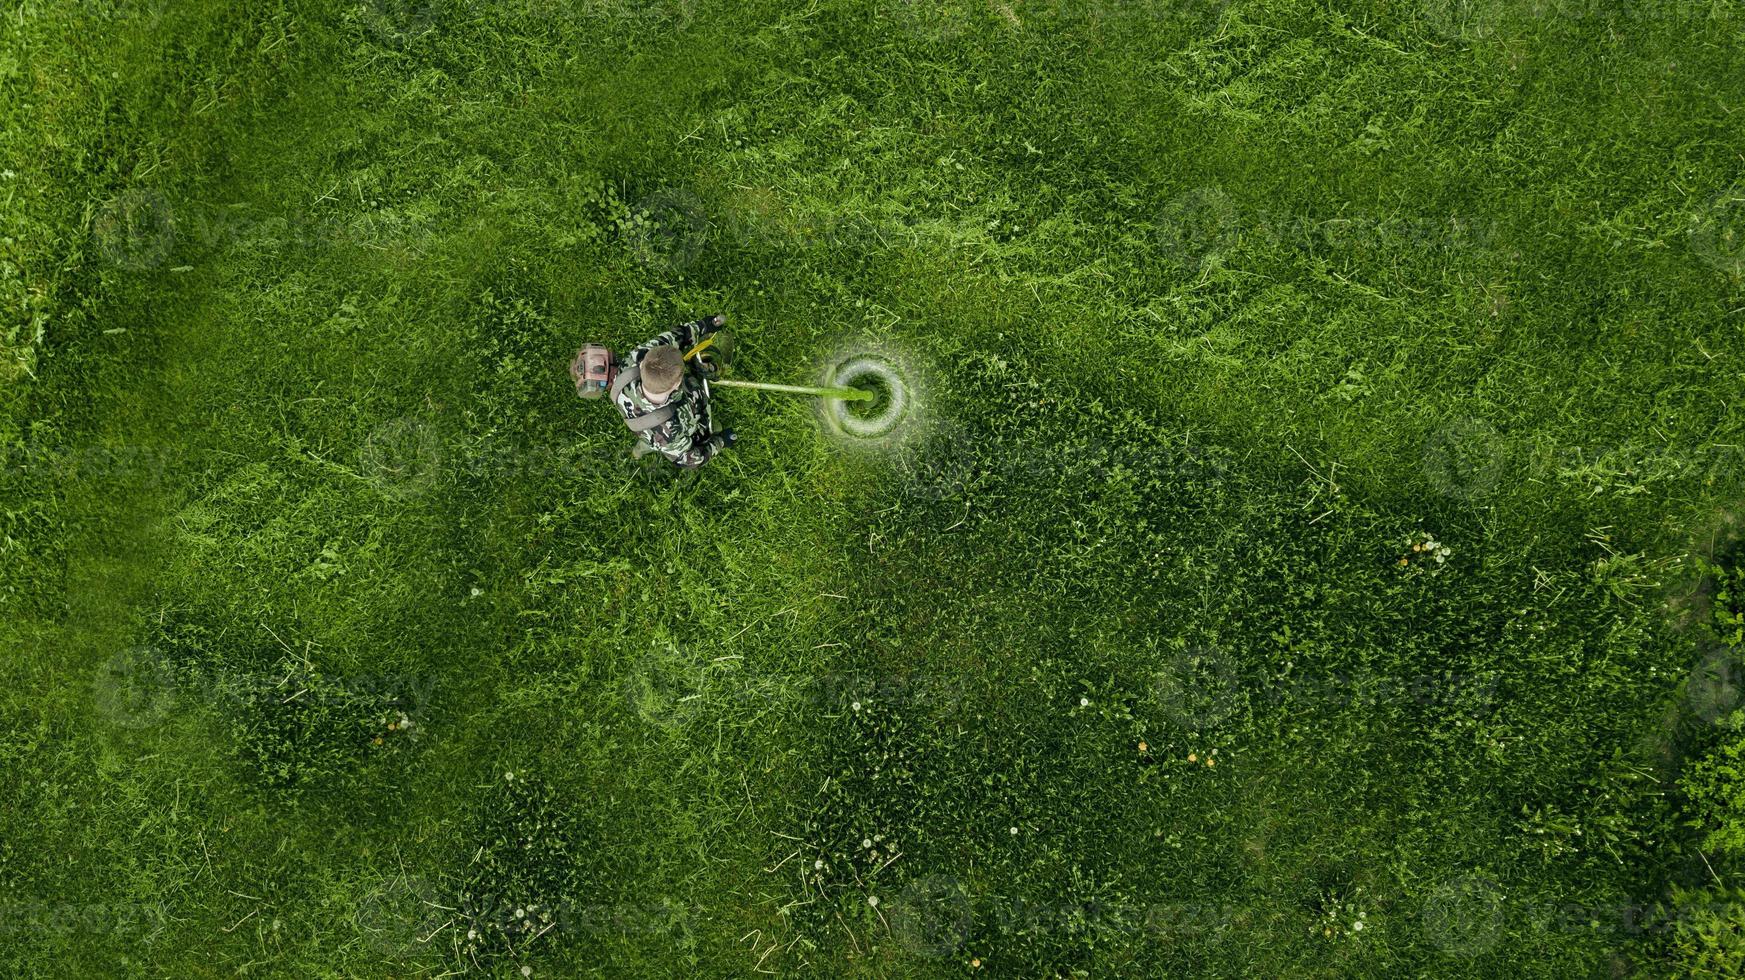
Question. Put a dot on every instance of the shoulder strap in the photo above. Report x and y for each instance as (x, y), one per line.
(641, 423)
(624, 377)
(660, 416)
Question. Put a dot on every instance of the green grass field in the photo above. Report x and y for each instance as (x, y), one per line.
(1312, 550)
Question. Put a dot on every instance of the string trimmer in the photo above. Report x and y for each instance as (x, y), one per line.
(594, 369)
(845, 394)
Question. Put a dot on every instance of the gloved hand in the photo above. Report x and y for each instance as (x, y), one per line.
(714, 323)
(728, 437)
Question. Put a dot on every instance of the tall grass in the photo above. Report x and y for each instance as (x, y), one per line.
(1292, 572)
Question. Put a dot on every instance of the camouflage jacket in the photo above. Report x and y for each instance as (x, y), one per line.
(687, 438)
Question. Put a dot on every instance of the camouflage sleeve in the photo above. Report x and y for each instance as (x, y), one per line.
(686, 439)
(684, 336)
(700, 451)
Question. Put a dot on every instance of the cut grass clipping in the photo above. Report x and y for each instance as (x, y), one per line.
(885, 397)
(883, 405)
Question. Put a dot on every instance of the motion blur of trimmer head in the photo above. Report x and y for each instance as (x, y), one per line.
(593, 369)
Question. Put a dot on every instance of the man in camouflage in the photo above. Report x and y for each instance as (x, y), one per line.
(665, 402)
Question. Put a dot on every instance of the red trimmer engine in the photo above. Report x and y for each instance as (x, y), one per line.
(593, 369)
